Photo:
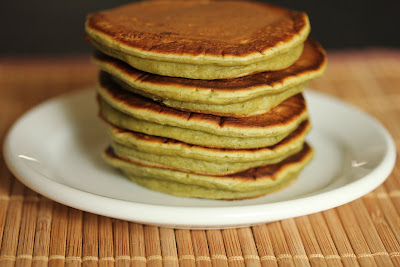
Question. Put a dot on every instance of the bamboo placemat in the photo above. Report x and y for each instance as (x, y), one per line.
(37, 231)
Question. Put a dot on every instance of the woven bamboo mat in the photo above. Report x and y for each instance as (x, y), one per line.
(37, 231)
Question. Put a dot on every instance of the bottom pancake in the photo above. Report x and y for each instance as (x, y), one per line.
(184, 190)
(250, 183)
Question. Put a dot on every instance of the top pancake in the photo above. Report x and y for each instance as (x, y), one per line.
(191, 33)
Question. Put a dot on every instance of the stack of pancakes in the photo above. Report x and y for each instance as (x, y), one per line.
(203, 98)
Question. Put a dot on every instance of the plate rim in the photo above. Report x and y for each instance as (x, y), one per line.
(239, 215)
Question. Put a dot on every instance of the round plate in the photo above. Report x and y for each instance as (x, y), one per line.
(55, 150)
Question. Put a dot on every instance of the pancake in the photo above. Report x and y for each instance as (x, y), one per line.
(282, 119)
(195, 39)
(255, 106)
(247, 184)
(170, 147)
(208, 166)
(192, 165)
(136, 113)
(249, 95)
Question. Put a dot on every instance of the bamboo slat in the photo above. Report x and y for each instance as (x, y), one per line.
(294, 242)
(200, 248)
(310, 242)
(264, 245)
(185, 248)
(168, 247)
(355, 236)
(217, 248)
(137, 248)
(382, 227)
(42, 235)
(152, 246)
(73, 253)
(35, 231)
(27, 229)
(370, 233)
(58, 236)
(5, 187)
(90, 235)
(106, 248)
(342, 243)
(12, 225)
(121, 243)
(325, 240)
(232, 247)
(248, 247)
(281, 248)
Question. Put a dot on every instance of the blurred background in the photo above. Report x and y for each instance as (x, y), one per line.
(56, 27)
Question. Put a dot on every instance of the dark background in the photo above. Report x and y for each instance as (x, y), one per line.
(56, 27)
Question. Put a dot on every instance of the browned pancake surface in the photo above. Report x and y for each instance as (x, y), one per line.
(287, 111)
(263, 172)
(312, 59)
(194, 27)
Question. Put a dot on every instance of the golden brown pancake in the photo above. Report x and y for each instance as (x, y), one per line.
(180, 38)
(172, 155)
(246, 184)
(290, 112)
(248, 95)
(170, 147)
(136, 113)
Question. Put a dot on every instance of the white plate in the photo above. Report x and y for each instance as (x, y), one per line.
(55, 150)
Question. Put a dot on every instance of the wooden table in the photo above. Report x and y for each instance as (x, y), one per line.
(37, 231)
